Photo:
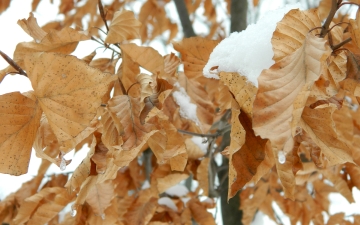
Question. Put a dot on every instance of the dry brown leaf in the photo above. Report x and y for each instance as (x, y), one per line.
(251, 200)
(248, 158)
(112, 130)
(31, 27)
(82, 171)
(319, 125)
(203, 175)
(205, 109)
(199, 212)
(282, 94)
(333, 174)
(4, 5)
(60, 82)
(20, 121)
(171, 63)
(143, 209)
(99, 197)
(193, 150)
(146, 57)
(195, 53)
(337, 218)
(168, 144)
(123, 27)
(292, 30)
(127, 109)
(164, 183)
(43, 206)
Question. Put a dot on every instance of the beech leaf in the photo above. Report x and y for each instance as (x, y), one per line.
(21, 119)
(195, 53)
(123, 27)
(59, 84)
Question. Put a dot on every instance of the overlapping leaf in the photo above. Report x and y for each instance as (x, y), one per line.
(195, 53)
(291, 31)
(59, 84)
(123, 27)
(20, 121)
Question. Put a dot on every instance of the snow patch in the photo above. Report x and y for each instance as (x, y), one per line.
(250, 51)
(167, 202)
(177, 190)
(199, 142)
(187, 109)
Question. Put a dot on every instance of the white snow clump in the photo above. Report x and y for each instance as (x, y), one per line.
(250, 51)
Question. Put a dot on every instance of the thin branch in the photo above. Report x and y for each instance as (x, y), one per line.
(325, 27)
(214, 135)
(184, 18)
(341, 44)
(105, 45)
(102, 14)
(13, 64)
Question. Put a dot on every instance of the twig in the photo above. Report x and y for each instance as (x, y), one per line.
(341, 44)
(105, 45)
(101, 9)
(214, 135)
(184, 18)
(13, 64)
(325, 27)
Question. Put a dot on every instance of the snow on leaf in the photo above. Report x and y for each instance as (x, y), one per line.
(195, 52)
(20, 121)
(123, 27)
(43, 206)
(292, 30)
(60, 82)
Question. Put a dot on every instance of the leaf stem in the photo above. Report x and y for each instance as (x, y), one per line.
(13, 64)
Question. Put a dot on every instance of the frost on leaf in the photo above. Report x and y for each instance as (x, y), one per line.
(20, 121)
(59, 83)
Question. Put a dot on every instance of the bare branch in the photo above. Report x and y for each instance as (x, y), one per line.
(325, 27)
(238, 11)
(184, 18)
(13, 63)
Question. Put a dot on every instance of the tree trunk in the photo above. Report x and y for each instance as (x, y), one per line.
(184, 18)
(238, 12)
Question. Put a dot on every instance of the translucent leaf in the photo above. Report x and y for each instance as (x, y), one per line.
(20, 121)
(59, 83)
(123, 27)
(291, 31)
